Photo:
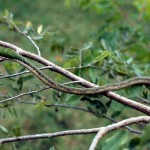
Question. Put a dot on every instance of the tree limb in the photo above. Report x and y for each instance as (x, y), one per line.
(116, 126)
(144, 119)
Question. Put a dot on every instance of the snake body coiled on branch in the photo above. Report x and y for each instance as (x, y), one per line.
(13, 55)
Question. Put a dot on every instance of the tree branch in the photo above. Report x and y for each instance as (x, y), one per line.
(109, 128)
(116, 126)
(21, 73)
(32, 92)
(2, 58)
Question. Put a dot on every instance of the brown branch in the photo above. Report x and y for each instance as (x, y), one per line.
(85, 83)
(2, 58)
(116, 126)
(144, 119)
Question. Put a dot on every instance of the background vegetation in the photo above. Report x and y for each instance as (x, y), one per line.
(103, 41)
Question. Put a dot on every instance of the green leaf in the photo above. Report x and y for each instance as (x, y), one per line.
(116, 107)
(134, 142)
(102, 56)
(93, 75)
(12, 111)
(87, 46)
(11, 67)
(129, 60)
(116, 141)
(145, 136)
(72, 99)
(22, 79)
(40, 105)
(87, 57)
(52, 148)
(134, 91)
(72, 62)
(137, 71)
(3, 129)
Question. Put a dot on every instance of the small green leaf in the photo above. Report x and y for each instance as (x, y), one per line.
(129, 60)
(102, 56)
(87, 46)
(145, 136)
(93, 75)
(3, 129)
(116, 141)
(72, 99)
(40, 105)
(52, 148)
(134, 91)
(137, 71)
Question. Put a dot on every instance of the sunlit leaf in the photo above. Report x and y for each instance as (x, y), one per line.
(39, 29)
(3, 129)
(102, 56)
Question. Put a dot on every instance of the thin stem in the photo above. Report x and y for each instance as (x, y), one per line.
(28, 37)
(23, 72)
(23, 94)
(33, 92)
(143, 100)
(81, 109)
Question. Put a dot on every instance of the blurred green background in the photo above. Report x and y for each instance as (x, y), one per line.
(121, 26)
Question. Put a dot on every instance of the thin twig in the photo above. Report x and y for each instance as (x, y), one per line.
(116, 126)
(28, 37)
(129, 128)
(110, 128)
(82, 67)
(23, 94)
(143, 100)
(33, 92)
(23, 72)
(82, 109)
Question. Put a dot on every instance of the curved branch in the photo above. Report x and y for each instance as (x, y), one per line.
(116, 126)
(85, 83)
(144, 119)
(80, 91)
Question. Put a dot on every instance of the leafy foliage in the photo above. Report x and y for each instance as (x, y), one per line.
(117, 50)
